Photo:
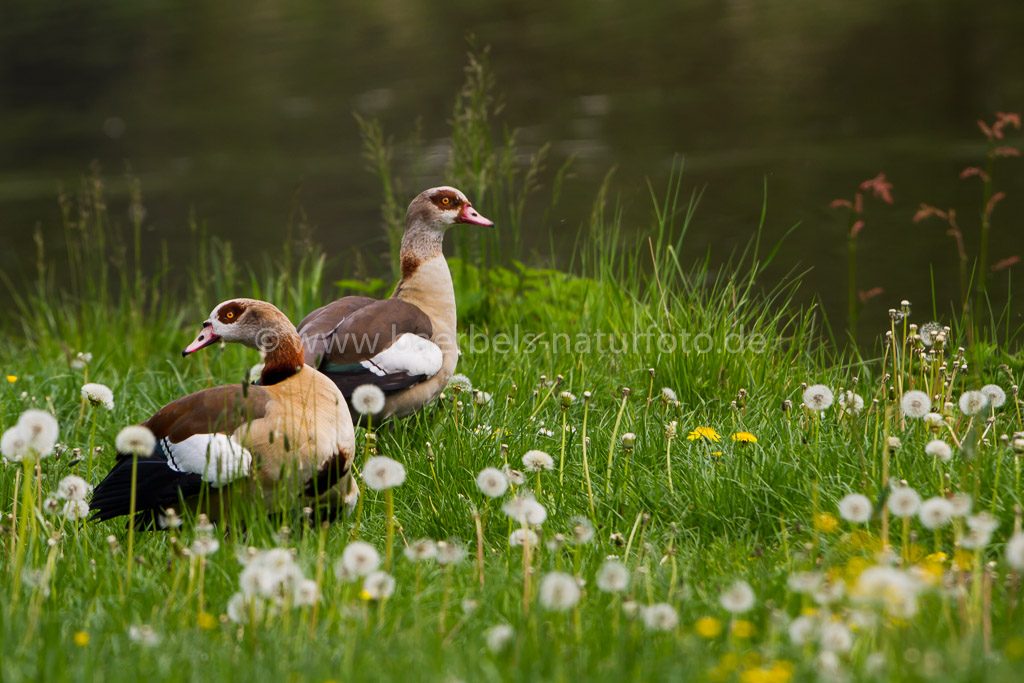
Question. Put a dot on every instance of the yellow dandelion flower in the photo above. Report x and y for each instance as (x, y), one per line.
(753, 676)
(855, 567)
(703, 433)
(781, 672)
(825, 522)
(716, 453)
(937, 558)
(741, 628)
(364, 595)
(708, 627)
(963, 559)
(730, 661)
(12, 379)
(81, 638)
(808, 611)
(207, 621)
(744, 437)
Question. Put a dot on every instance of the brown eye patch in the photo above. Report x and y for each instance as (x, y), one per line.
(231, 312)
(445, 200)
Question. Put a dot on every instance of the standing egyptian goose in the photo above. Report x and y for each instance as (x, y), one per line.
(406, 345)
(288, 440)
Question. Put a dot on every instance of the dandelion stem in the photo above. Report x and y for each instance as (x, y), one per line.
(389, 501)
(586, 465)
(130, 551)
(611, 445)
(561, 458)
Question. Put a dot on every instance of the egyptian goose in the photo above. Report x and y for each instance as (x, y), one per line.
(288, 440)
(406, 345)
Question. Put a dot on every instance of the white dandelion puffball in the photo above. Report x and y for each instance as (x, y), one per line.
(13, 444)
(660, 617)
(935, 513)
(450, 552)
(536, 461)
(995, 395)
(983, 521)
(937, 448)
(306, 592)
(903, 502)
(916, 404)
(368, 399)
(76, 509)
(525, 510)
(851, 402)
(668, 395)
(1015, 552)
(802, 630)
(40, 430)
(818, 397)
(498, 637)
(143, 635)
(360, 558)
(379, 585)
(514, 476)
(520, 537)
(460, 382)
(805, 582)
(836, 637)
(98, 395)
(972, 402)
(582, 531)
(962, 504)
(481, 398)
(135, 440)
(492, 482)
(830, 592)
(738, 598)
(613, 577)
(205, 545)
(975, 539)
(934, 420)
(567, 398)
(420, 550)
(855, 507)
(381, 472)
(268, 573)
(559, 592)
(73, 487)
(242, 608)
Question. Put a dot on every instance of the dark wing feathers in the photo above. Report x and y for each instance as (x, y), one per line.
(339, 337)
(220, 409)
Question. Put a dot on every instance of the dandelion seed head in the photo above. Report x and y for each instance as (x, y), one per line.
(73, 487)
(450, 552)
(1015, 552)
(205, 545)
(935, 513)
(983, 521)
(855, 507)
(830, 592)
(76, 509)
(738, 598)
(972, 402)
(628, 440)
(306, 592)
(916, 404)
(368, 399)
(492, 482)
(668, 395)
(582, 530)
(242, 608)
(379, 585)
(98, 395)
(381, 472)
(135, 440)
(537, 461)
(937, 448)
(14, 444)
(903, 501)
(928, 332)
(360, 558)
(660, 616)
(566, 398)
(559, 591)
(976, 539)
(934, 421)
(805, 582)
(818, 397)
(143, 635)
(613, 577)
(962, 504)
(851, 402)
(498, 637)
(802, 630)
(893, 443)
(40, 430)
(994, 394)
(460, 382)
(525, 510)
(836, 637)
(520, 537)
(514, 476)
(420, 550)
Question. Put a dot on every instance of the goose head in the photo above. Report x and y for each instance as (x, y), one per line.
(439, 208)
(253, 323)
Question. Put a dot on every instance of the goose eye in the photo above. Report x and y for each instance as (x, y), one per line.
(446, 201)
(230, 315)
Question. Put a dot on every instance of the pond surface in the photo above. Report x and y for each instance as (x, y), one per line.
(223, 109)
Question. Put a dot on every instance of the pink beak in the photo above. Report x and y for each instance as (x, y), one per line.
(205, 338)
(471, 216)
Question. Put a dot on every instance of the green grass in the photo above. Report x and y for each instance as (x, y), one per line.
(732, 511)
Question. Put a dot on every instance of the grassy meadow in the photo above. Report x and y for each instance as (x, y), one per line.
(691, 525)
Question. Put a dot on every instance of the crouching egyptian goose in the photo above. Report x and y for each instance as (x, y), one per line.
(288, 441)
(405, 345)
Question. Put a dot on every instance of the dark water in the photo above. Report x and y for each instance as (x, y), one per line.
(224, 108)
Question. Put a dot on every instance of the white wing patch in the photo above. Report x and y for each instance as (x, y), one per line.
(411, 354)
(217, 457)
